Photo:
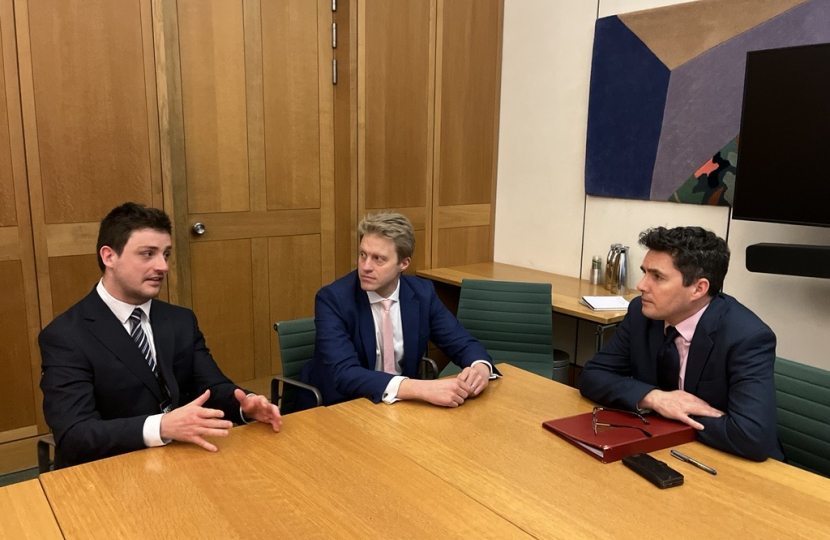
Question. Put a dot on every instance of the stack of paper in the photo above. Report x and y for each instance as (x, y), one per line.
(605, 303)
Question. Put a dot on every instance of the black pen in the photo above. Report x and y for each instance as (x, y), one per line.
(696, 463)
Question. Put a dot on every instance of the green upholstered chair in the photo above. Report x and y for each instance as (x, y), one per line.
(514, 322)
(803, 398)
(296, 348)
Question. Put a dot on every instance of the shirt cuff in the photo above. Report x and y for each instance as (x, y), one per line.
(246, 420)
(152, 431)
(489, 365)
(390, 395)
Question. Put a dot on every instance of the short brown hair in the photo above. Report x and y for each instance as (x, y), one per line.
(122, 220)
(392, 226)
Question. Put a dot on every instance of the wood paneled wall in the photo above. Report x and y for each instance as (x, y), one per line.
(466, 141)
(91, 122)
(428, 99)
(223, 112)
(19, 322)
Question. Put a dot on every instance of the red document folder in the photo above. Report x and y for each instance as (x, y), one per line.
(616, 443)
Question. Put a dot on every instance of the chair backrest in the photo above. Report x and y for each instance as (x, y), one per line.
(803, 399)
(512, 320)
(296, 339)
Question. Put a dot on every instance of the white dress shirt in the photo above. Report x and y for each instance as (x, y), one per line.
(122, 312)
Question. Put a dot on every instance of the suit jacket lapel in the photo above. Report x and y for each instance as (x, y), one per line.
(103, 324)
(410, 310)
(366, 325)
(702, 343)
(164, 341)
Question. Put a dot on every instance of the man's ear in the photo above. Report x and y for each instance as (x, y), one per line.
(701, 288)
(107, 255)
(405, 263)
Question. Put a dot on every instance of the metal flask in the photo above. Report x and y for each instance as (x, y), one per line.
(609, 265)
(621, 271)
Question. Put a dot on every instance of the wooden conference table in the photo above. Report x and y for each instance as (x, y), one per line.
(26, 514)
(484, 470)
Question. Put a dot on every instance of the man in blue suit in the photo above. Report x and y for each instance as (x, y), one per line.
(373, 326)
(689, 352)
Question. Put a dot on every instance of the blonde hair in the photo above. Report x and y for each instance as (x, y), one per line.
(392, 226)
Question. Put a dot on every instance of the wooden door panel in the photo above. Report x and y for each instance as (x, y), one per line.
(8, 213)
(295, 276)
(292, 105)
(88, 77)
(72, 277)
(469, 81)
(17, 396)
(9, 244)
(464, 245)
(88, 97)
(213, 86)
(223, 302)
(466, 139)
(396, 104)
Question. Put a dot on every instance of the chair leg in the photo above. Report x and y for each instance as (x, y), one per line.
(44, 458)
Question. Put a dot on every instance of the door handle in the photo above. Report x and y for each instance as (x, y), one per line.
(199, 228)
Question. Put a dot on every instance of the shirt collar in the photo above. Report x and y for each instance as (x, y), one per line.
(374, 297)
(121, 310)
(686, 328)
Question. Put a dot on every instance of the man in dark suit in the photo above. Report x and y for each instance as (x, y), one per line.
(690, 352)
(122, 371)
(373, 326)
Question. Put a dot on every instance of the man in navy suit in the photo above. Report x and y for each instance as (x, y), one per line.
(122, 371)
(354, 314)
(689, 352)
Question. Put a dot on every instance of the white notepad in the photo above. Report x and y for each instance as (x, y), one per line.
(605, 303)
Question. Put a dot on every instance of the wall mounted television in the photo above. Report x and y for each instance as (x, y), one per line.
(783, 173)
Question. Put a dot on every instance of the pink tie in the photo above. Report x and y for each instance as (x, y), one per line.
(388, 339)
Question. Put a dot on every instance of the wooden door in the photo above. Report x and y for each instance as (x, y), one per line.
(247, 135)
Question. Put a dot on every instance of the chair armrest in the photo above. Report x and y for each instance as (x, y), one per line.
(298, 384)
(428, 368)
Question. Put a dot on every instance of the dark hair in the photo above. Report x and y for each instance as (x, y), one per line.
(696, 252)
(122, 220)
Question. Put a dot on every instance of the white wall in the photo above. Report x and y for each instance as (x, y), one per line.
(544, 219)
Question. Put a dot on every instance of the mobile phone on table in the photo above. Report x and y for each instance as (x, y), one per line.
(653, 470)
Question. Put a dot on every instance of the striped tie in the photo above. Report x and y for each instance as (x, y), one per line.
(141, 340)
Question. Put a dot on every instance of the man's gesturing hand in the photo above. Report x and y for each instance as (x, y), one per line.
(192, 422)
(259, 408)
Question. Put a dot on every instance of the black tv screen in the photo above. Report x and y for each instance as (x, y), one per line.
(783, 171)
